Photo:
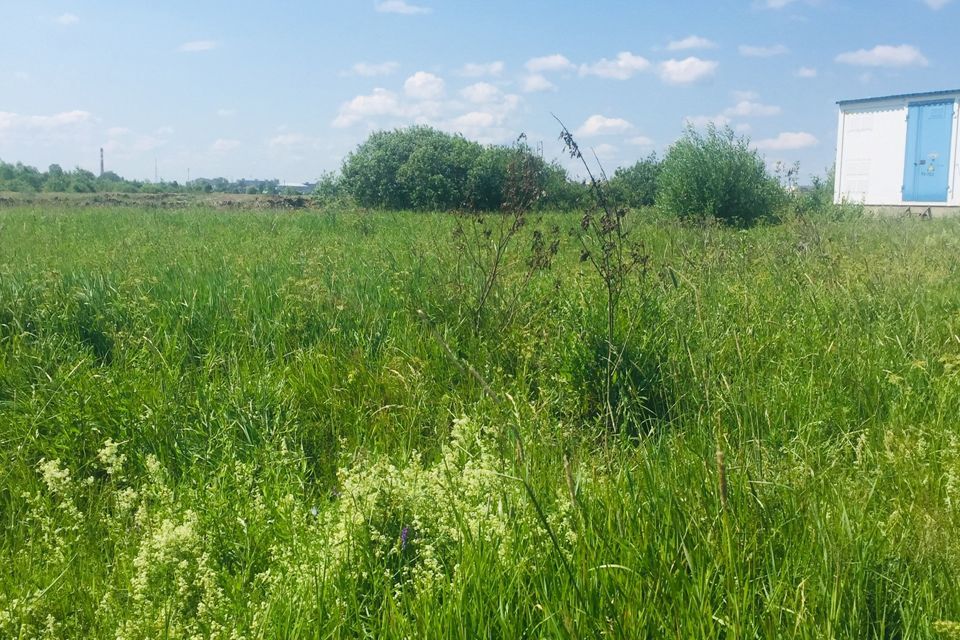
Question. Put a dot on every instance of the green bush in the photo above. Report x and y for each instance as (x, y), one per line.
(636, 186)
(717, 175)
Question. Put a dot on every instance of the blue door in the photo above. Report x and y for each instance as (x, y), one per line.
(926, 175)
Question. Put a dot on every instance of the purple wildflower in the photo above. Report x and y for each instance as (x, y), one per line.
(404, 535)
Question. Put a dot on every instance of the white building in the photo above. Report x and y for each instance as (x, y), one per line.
(899, 151)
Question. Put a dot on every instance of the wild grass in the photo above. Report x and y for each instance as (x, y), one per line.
(237, 425)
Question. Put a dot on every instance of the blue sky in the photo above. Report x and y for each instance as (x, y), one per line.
(285, 89)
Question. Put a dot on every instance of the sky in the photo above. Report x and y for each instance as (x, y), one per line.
(286, 89)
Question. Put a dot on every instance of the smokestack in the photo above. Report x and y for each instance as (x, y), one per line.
(101, 162)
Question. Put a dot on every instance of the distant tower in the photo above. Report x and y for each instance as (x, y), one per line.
(101, 162)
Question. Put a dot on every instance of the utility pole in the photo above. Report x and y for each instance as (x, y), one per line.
(101, 162)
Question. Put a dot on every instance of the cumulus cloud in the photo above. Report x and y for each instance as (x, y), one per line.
(379, 103)
(485, 118)
(125, 143)
(598, 125)
(776, 4)
(748, 109)
(640, 141)
(67, 19)
(752, 51)
(687, 71)
(401, 7)
(11, 121)
(223, 145)
(555, 62)
(605, 151)
(535, 83)
(196, 46)
(480, 92)
(788, 141)
(883, 55)
(424, 86)
(624, 67)
(936, 5)
(806, 72)
(481, 69)
(287, 140)
(372, 69)
(690, 42)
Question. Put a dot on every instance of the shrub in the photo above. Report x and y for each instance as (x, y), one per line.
(717, 175)
(636, 186)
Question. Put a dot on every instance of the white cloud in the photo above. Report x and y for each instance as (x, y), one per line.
(605, 151)
(21, 75)
(598, 125)
(125, 143)
(690, 42)
(806, 72)
(487, 123)
(555, 62)
(687, 71)
(936, 5)
(775, 4)
(748, 109)
(480, 69)
(379, 103)
(287, 140)
(399, 6)
(371, 69)
(9, 121)
(788, 141)
(474, 120)
(197, 45)
(640, 141)
(745, 95)
(623, 68)
(480, 92)
(424, 86)
(751, 51)
(535, 83)
(883, 55)
(68, 19)
(223, 145)
(226, 113)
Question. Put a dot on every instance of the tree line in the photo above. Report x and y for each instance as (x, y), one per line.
(705, 174)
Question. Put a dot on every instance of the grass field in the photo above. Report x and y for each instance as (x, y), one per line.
(237, 425)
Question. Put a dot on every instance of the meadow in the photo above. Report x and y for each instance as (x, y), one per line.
(305, 424)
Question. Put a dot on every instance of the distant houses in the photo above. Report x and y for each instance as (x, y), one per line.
(297, 187)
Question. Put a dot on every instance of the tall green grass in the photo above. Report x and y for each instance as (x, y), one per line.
(237, 425)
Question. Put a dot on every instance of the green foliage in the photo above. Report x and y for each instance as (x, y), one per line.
(424, 169)
(817, 200)
(21, 178)
(716, 175)
(636, 186)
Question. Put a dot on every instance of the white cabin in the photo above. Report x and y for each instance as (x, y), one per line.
(899, 150)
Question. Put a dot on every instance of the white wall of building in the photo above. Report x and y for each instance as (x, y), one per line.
(871, 153)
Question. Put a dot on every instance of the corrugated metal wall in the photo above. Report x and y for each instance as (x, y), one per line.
(871, 151)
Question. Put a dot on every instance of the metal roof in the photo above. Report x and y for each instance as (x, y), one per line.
(902, 96)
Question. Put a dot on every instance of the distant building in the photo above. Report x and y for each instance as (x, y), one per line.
(299, 187)
(899, 150)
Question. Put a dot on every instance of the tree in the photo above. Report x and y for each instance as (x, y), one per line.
(636, 186)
